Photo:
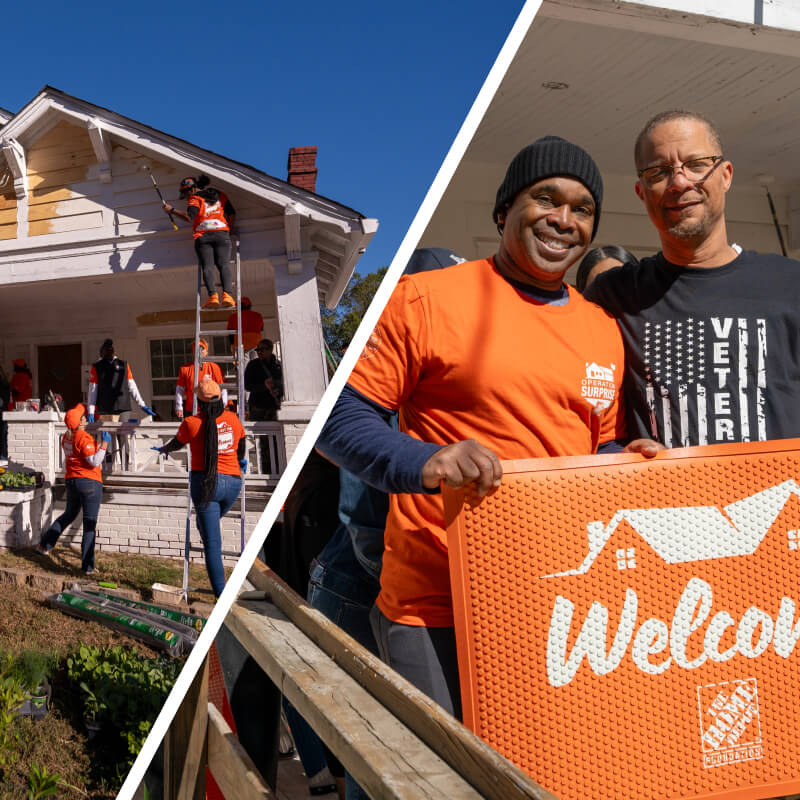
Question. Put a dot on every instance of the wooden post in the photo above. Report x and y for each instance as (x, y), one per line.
(185, 746)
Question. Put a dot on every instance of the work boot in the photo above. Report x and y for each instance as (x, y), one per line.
(212, 302)
(227, 301)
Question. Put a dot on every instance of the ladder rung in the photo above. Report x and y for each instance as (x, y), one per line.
(217, 332)
(220, 359)
(229, 385)
(233, 553)
(199, 589)
(196, 548)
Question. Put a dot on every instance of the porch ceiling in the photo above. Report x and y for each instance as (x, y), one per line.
(617, 77)
(153, 290)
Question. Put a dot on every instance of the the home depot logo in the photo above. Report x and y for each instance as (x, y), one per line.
(730, 726)
(598, 387)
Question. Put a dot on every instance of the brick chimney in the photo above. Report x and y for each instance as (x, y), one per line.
(303, 167)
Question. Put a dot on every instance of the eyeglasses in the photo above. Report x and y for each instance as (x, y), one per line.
(697, 169)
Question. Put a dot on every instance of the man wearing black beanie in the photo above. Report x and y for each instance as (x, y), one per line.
(491, 359)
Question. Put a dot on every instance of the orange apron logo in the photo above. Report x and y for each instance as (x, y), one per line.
(629, 628)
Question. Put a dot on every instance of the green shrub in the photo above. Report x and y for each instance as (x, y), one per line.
(122, 692)
(16, 480)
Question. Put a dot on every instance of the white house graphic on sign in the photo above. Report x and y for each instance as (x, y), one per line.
(736, 530)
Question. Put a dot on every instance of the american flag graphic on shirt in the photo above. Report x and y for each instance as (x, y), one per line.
(706, 380)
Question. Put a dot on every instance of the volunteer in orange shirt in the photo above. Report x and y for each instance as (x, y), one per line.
(490, 359)
(84, 482)
(217, 441)
(212, 216)
(208, 369)
(252, 326)
(21, 383)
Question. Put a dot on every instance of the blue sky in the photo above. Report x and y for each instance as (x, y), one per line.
(380, 88)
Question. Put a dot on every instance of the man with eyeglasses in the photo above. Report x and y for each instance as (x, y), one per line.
(710, 330)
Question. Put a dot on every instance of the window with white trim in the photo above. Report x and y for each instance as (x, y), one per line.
(167, 356)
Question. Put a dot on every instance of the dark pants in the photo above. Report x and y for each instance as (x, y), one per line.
(426, 657)
(257, 414)
(214, 248)
(82, 494)
(345, 592)
(208, 522)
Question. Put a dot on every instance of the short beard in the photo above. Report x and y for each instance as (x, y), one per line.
(696, 229)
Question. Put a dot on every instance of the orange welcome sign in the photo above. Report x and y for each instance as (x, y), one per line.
(629, 628)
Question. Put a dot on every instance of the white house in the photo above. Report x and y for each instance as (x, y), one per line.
(86, 252)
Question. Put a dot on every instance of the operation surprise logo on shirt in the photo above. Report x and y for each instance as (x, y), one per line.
(598, 387)
(373, 343)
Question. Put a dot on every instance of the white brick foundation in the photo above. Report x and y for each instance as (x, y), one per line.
(153, 525)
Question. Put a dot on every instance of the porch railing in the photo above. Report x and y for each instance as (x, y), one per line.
(131, 458)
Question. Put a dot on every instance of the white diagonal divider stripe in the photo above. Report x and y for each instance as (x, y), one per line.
(270, 513)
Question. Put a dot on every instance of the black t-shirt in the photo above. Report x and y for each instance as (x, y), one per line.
(256, 372)
(712, 354)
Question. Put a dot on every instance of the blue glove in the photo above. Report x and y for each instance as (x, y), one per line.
(158, 450)
(148, 410)
(90, 417)
(105, 437)
(243, 465)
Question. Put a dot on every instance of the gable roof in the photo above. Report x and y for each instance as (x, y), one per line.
(341, 235)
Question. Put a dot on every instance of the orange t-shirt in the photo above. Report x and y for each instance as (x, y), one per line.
(76, 448)
(463, 354)
(229, 432)
(252, 325)
(210, 216)
(207, 369)
(21, 387)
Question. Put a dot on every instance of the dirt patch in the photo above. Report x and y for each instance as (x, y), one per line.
(127, 570)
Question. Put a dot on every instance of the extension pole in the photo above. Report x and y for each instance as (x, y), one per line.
(775, 221)
(160, 196)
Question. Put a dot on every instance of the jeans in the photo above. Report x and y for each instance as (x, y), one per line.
(213, 248)
(82, 494)
(345, 592)
(208, 517)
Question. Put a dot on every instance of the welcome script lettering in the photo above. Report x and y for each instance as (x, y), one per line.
(657, 645)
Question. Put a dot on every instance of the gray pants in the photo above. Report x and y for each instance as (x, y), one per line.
(425, 657)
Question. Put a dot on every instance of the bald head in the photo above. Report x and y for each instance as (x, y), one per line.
(670, 116)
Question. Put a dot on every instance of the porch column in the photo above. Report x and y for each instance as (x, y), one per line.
(302, 353)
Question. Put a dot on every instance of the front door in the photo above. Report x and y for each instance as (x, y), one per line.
(60, 370)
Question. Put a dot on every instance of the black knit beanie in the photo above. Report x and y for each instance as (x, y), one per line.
(545, 158)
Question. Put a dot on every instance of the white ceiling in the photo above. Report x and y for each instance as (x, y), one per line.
(152, 290)
(618, 77)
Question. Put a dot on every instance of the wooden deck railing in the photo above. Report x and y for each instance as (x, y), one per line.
(395, 741)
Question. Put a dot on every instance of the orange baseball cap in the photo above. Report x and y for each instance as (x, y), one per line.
(202, 342)
(19, 362)
(207, 390)
(73, 417)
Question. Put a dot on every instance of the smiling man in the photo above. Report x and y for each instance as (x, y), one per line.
(490, 359)
(710, 330)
